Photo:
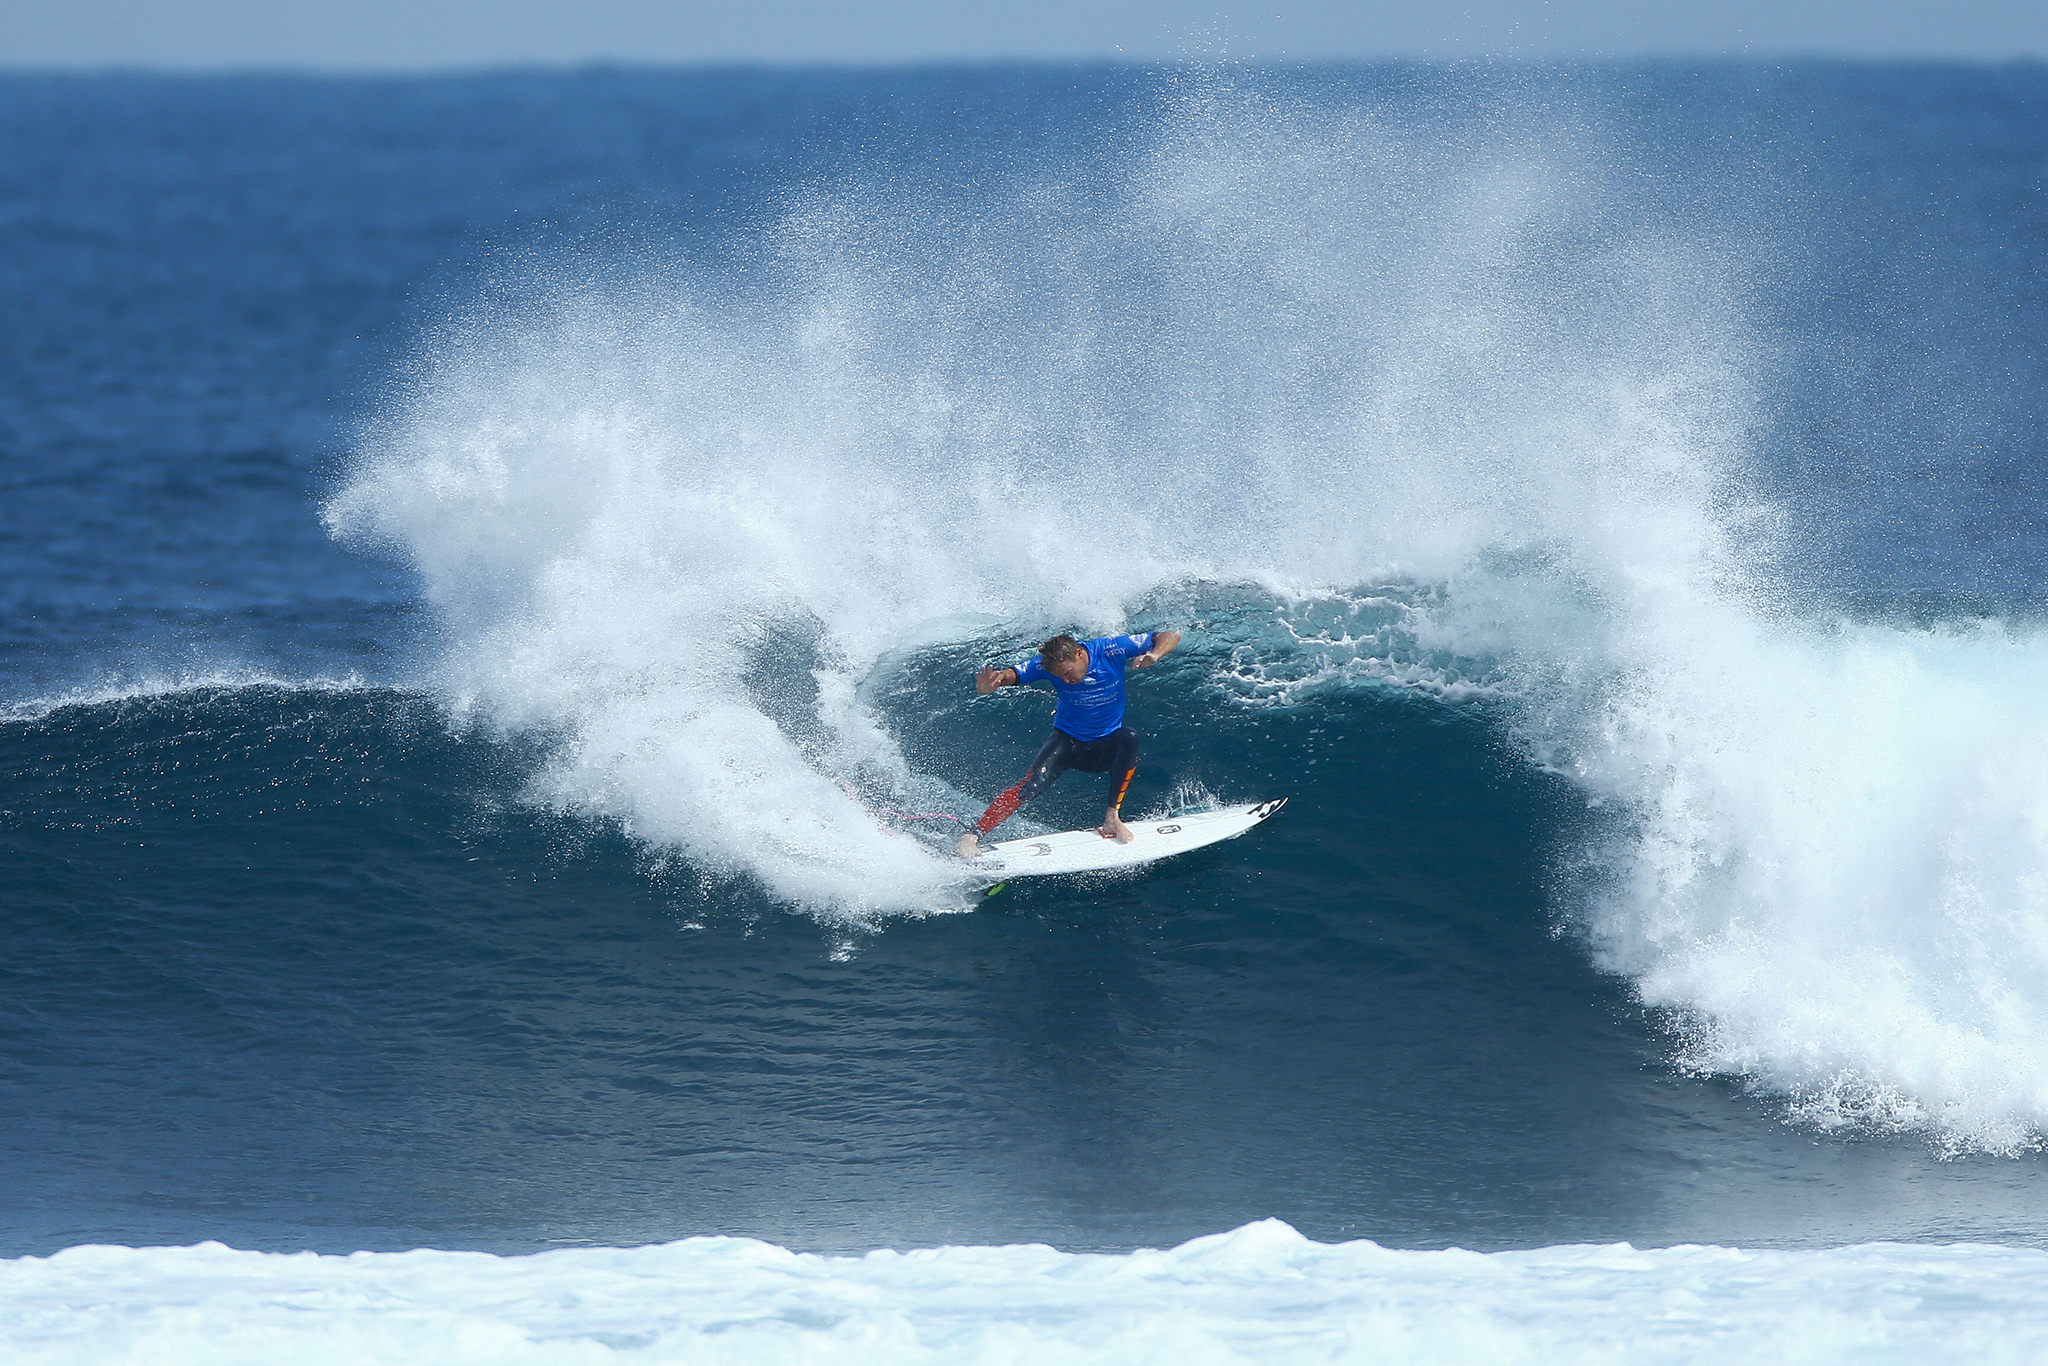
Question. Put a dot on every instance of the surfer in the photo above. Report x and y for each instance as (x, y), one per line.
(1089, 732)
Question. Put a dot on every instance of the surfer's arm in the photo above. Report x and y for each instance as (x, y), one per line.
(988, 678)
(1164, 643)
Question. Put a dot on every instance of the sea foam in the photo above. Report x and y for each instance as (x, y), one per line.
(1262, 1292)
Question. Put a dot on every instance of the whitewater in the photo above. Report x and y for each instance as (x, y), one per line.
(1260, 1293)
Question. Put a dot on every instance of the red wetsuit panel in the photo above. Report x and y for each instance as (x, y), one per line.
(1001, 809)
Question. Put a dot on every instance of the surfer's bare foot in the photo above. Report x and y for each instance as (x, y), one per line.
(1115, 829)
(969, 845)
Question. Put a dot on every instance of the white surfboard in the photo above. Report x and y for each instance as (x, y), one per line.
(1084, 851)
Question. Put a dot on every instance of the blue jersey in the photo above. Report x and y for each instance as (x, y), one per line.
(1094, 707)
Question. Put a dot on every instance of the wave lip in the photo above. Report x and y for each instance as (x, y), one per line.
(171, 685)
(1259, 1292)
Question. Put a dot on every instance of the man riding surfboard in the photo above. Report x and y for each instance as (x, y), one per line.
(1089, 733)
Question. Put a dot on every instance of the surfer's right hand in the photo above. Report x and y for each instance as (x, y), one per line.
(985, 679)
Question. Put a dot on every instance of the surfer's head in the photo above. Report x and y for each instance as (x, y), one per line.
(1064, 658)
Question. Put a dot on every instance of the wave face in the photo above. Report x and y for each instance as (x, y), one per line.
(1301, 349)
(1604, 502)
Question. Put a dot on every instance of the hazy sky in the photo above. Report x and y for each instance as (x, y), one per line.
(410, 34)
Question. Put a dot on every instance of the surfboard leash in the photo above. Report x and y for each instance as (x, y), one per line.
(960, 821)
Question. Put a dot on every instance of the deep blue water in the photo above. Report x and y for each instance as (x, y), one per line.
(317, 936)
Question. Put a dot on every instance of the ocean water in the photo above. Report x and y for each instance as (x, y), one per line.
(492, 569)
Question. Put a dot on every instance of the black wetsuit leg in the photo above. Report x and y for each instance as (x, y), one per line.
(1115, 753)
